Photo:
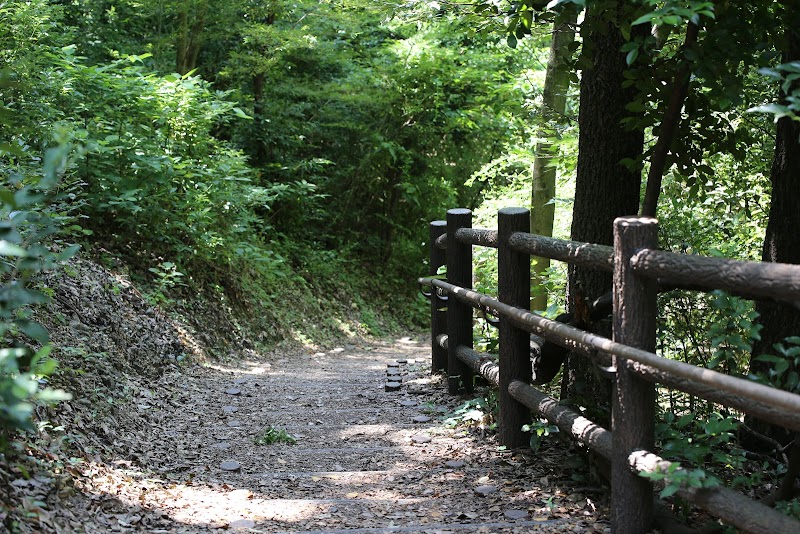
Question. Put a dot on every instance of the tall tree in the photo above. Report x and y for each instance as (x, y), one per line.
(554, 104)
(189, 39)
(605, 187)
(781, 242)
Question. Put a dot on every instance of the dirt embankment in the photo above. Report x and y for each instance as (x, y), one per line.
(113, 349)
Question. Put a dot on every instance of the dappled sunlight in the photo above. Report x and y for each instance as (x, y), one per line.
(250, 369)
(223, 505)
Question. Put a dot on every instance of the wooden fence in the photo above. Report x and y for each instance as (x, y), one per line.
(638, 270)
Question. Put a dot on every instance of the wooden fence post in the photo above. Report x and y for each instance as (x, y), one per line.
(633, 411)
(438, 316)
(459, 314)
(514, 279)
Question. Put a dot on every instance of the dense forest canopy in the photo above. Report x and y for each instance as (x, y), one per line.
(262, 152)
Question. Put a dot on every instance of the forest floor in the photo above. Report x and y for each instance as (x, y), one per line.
(155, 444)
(360, 462)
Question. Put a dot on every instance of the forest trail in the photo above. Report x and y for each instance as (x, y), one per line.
(362, 463)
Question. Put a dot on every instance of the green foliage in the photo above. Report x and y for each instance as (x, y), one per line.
(707, 444)
(26, 248)
(783, 370)
(786, 76)
(676, 479)
(539, 430)
(733, 333)
(790, 508)
(480, 412)
(167, 276)
(272, 435)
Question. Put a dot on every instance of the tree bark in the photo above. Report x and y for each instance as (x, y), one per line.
(781, 243)
(190, 35)
(554, 104)
(605, 189)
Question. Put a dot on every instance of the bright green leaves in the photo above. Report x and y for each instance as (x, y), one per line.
(733, 333)
(675, 478)
(28, 224)
(787, 76)
(675, 13)
(784, 367)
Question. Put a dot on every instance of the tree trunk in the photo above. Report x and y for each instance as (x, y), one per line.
(554, 103)
(781, 243)
(260, 148)
(190, 35)
(604, 189)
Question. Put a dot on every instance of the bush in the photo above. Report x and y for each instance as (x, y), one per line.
(28, 222)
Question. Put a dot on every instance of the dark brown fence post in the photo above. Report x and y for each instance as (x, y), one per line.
(459, 314)
(438, 316)
(633, 412)
(514, 288)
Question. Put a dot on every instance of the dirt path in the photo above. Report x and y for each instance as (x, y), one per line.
(361, 463)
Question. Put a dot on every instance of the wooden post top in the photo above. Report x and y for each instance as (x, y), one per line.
(633, 220)
(513, 211)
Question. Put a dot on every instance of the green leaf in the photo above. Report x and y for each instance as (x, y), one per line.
(9, 249)
(241, 114)
(644, 19)
(631, 56)
(669, 490)
(33, 330)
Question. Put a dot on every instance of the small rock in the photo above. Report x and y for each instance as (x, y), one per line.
(408, 403)
(239, 381)
(234, 424)
(222, 445)
(455, 464)
(229, 409)
(483, 491)
(230, 465)
(420, 438)
(233, 391)
(242, 523)
(421, 419)
(516, 514)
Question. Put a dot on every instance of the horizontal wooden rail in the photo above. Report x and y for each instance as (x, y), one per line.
(759, 393)
(766, 411)
(725, 503)
(471, 236)
(478, 362)
(568, 421)
(671, 270)
(477, 236)
(779, 281)
(583, 430)
(598, 257)
(639, 272)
